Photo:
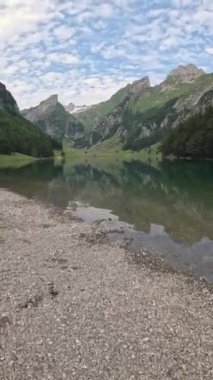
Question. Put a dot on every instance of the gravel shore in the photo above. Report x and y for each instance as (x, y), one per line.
(74, 307)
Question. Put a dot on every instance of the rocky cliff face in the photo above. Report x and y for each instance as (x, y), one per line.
(70, 107)
(112, 123)
(7, 102)
(145, 112)
(51, 117)
(185, 74)
(137, 115)
(139, 86)
(41, 111)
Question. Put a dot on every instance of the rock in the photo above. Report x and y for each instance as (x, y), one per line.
(150, 121)
(140, 85)
(147, 339)
(52, 118)
(188, 73)
(70, 107)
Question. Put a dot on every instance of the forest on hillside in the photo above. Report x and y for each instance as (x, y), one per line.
(19, 135)
(134, 122)
(193, 138)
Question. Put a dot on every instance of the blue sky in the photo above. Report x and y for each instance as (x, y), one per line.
(85, 50)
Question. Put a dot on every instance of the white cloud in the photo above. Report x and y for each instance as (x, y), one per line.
(86, 50)
(63, 58)
(105, 10)
(209, 50)
(63, 32)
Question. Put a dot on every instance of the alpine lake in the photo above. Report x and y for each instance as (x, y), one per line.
(165, 208)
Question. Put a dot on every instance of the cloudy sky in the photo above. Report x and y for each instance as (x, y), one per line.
(85, 50)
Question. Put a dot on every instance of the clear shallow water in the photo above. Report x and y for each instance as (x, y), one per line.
(168, 209)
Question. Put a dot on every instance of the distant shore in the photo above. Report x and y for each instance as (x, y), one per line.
(74, 307)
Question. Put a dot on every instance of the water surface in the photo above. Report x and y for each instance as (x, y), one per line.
(168, 209)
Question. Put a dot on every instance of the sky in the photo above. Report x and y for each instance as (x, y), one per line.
(85, 50)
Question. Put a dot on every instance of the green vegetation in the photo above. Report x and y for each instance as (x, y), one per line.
(100, 110)
(149, 111)
(157, 97)
(148, 121)
(21, 136)
(110, 145)
(14, 160)
(192, 138)
(109, 151)
(7, 102)
(135, 121)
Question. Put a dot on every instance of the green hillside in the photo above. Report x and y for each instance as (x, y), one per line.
(139, 115)
(157, 97)
(192, 138)
(19, 135)
(52, 118)
(87, 118)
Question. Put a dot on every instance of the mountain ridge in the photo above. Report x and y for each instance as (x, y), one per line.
(187, 73)
(141, 118)
(7, 101)
(18, 134)
(136, 116)
(52, 118)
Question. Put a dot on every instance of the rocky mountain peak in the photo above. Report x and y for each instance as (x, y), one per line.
(70, 107)
(51, 101)
(44, 108)
(140, 85)
(187, 73)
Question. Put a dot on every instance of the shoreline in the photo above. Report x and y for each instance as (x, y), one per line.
(75, 307)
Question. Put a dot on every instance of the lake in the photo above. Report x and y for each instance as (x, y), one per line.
(167, 208)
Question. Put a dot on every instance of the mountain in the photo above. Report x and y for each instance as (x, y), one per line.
(7, 102)
(193, 138)
(135, 117)
(52, 118)
(187, 74)
(19, 135)
(139, 115)
(71, 108)
(91, 116)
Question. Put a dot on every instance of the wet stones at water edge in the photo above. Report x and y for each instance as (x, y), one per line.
(52, 290)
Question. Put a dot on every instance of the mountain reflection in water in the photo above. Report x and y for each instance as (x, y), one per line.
(170, 206)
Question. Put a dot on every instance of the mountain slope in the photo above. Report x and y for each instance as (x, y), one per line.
(52, 118)
(18, 134)
(7, 102)
(90, 116)
(148, 120)
(192, 138)
(143, 114)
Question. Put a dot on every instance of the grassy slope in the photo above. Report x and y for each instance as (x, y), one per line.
(111, 152)
(19, 135)
(150, 104)
(101, 109)
(202, 83)
(15, 160)
(156, 97)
